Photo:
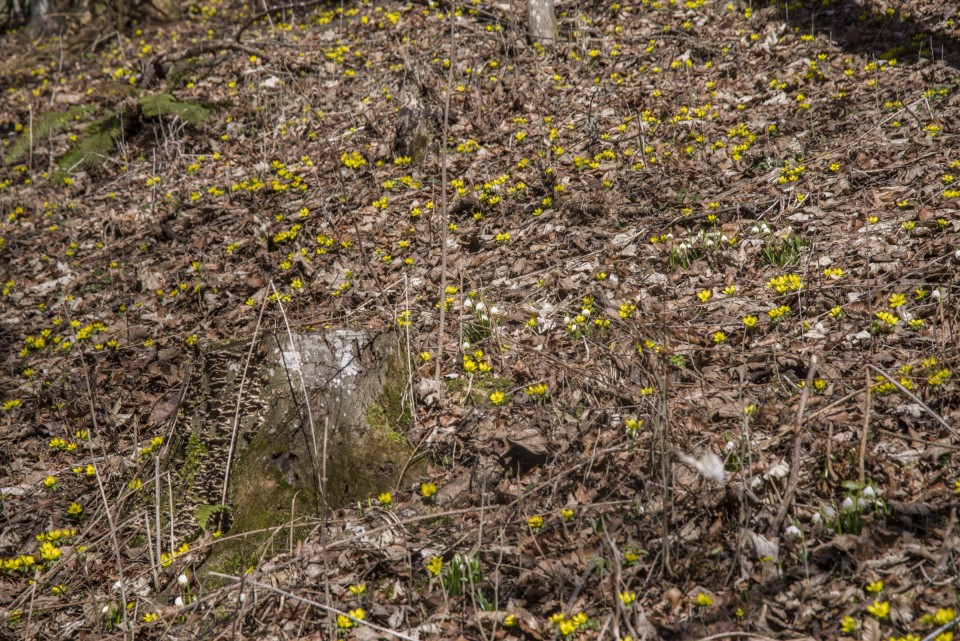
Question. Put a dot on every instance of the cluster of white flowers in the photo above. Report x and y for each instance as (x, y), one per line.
(480, 311)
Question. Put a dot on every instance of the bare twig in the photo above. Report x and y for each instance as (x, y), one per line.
(796, 455)
(444, 214)
(866, 427)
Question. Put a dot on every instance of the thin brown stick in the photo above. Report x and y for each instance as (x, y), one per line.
(866, 427)
(444, 214)
(796, 455)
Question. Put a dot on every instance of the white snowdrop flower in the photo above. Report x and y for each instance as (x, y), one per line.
(585, 311)
(669, 236)
(567, 320)
(468, 303)
(829, 512)
(957, 254)
(723, 238)
(116, 585)
(755, 229)
(729, 446)
(105, 610)
(766, 228)
(178, 602)
(816, 518)
(484, 318)
(709, 243)
(466, 344)
(868, 493)
(793, 533)
(935, 294)
(756, 482)
(848, 505)
(494, 310)
(182, 579)
(480, 306)
(243, 597)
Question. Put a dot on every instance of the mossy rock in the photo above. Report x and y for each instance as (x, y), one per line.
(355, 382)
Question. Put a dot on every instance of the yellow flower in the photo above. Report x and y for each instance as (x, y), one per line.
(704, 600)
(510, 621)
(150, 616)
(385, 499)
(704, 295)
(627, 598)
(49, 552)
(874, 587)
(567, 513)
(50, 481)
(428, 489)
(358, 589)
(879, 609)
(497, 398)
(848, 624)
(535, 523)
(750, 321)
(434, 565)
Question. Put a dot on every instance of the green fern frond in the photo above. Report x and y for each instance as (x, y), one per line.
(93, 148)
(164, 104)
(45, 126)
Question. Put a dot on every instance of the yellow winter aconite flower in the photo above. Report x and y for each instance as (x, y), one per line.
(785, 283)
(874, 587)
(539, 390)
(778, 312)
(848, 624)
(358, 589)
(704, 600)
(49, 552)
(535, 522)
(434, 565)
(150, 616)
(498, 398)
(888, 319)
(879, 609)
(428, 489)
(704, 295)
(627, 597)
(385, 498)
(897, 300)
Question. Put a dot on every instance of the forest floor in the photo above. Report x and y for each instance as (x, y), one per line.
(698, 375)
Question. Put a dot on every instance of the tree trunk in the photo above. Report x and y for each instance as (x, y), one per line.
(543, 24)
